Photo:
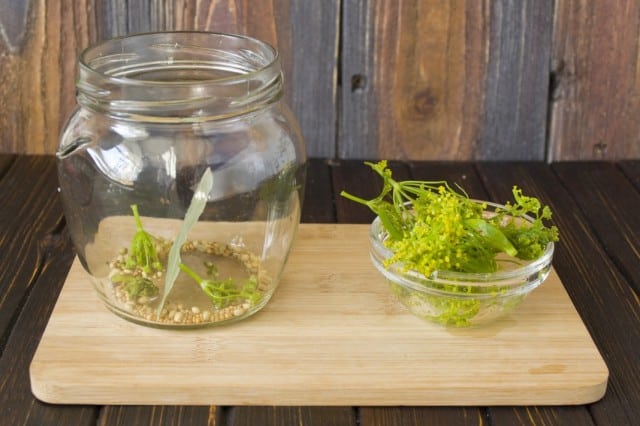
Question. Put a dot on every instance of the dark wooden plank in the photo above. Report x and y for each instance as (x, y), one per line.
(111, 19)
(16, 400)
(36, 239)
(596, 83)
(139, 16)
(159, 415)
(285, 416)
(603, 297)
(548, 416)
(419, 416)
(318, 198)
(616, 224)
(5, 163)
(632, 170)
(31, 210)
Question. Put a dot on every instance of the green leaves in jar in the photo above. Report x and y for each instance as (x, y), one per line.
(142, 253)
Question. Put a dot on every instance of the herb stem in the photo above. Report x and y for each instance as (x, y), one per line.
(354, 198)
(191, 273)
(136, 215)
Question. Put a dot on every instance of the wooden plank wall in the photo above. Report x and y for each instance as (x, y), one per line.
(409, 80)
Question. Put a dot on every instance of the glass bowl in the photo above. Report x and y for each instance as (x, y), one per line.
(460, 299)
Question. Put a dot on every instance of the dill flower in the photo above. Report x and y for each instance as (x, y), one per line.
(433, 227)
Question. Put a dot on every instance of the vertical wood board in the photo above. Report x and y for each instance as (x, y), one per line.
(595, 100)
(431, 80)
(515, 108)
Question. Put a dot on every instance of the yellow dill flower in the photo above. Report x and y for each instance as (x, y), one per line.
(434, 227)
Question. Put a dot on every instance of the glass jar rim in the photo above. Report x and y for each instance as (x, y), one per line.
(85, 61)
(181, 76)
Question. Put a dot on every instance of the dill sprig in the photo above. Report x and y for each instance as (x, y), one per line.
(142, 252)
(224, 292)
(432, 226)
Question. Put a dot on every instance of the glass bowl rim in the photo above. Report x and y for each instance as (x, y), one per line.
(511, 281)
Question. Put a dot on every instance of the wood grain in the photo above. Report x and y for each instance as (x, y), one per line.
(37, 253)
(417, 416)
(5, 163)
(566, 415)
(596, 69)
(404, 78)
(606, 299)
(631, 169)
(318, 199)
(515, 108)
(268, 360)
(458, 173)
(118, 415)
(411, 80)
(25, 230)
(41, 40)
(617, 225)
(284, 416)
(445, 80)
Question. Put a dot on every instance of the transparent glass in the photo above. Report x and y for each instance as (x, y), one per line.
(460, 299)
(157, 113)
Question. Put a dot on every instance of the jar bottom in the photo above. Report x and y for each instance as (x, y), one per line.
(189, 320)
(218, 283)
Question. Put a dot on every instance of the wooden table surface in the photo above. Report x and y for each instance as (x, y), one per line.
(595, 206)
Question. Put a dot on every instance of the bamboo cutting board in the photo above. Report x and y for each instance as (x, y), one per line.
(331, 335)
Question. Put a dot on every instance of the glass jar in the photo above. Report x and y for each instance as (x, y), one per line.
(182, 175)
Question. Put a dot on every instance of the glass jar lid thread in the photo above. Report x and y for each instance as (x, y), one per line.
(179, 76)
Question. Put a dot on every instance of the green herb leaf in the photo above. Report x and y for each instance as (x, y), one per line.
(391, 220)
(198, 203)
(492, 236)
